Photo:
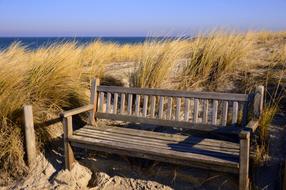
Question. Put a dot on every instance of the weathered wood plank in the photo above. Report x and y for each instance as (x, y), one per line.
(244, 160)
(258, 101)
(164, 145)
(108, 103)
(188, 156)
(101, 102)
(122, 103)
(234, 113)
(115, 103)
(185, 145)
(167, 141)
(77, 110)
(196, 110)
(129, 104)
(161, 107)
(150, 156)
(224, 113)
(205, 111)
(169, 109)
(153, 104)
(93, 100)
(214, 112)
(164, 136)
(137, 105)
(252, 125)
(186, 109)
(174, 93)
(169, 123)
(145, 106)
(178, 108)
(69, 156)
(30, 139)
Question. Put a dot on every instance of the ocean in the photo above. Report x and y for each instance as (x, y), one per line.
(36, 42)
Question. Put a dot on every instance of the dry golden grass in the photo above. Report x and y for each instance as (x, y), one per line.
(155, 61)
(275, 81)
(57, 77)
(264, 36)
(212, 57)
(50, 78)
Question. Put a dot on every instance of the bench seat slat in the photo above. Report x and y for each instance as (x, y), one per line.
(187, 144)
(161, 158)
(127, 146)
(163, 136)
(214, 153)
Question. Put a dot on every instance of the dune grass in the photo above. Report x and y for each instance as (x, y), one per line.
(155, 61)
(57, 77)
(211, 57)
(50, 79)
(276, 93)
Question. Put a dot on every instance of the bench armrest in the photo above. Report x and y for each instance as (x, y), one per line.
(77, 110)
(252, 125)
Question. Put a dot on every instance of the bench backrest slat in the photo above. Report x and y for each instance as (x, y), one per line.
(115, 103)
(196, 110)
(205, 111)
(160, 106)
(224, 113)
(122, 103)
(234, 113)
(214, 113)
(175, 93)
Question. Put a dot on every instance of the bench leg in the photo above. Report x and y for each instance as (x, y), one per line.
(244, 160)
(69, 156)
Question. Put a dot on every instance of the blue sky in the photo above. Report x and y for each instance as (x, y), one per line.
(136, 17)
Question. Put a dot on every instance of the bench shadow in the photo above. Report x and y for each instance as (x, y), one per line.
(54, 153)
(195, 145)
(172, 175)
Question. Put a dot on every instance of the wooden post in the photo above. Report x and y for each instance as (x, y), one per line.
(244, 160)
(93, 100)
(258, 101)
(69, 156)
(29, 134)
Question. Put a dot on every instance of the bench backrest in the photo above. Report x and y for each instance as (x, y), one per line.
(183, 109)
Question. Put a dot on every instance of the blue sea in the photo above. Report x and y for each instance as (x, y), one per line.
(36, 42)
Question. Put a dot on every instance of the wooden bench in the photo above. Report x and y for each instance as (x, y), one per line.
(208, 112)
